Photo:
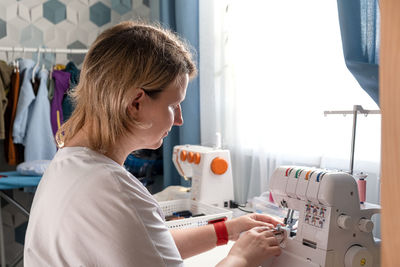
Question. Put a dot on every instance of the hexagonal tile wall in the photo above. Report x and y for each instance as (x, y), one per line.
(31, 36)
(54, 11)
(63, 23)
(121, 6)
(49, 33)
(100, 14)
(3, 28)
(14, 29)
(76, 58)
(8, 9)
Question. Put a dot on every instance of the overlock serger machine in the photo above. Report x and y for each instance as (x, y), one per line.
(332, 229)
(210, 171)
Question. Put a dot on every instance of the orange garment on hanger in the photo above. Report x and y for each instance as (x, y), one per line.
(14, 153)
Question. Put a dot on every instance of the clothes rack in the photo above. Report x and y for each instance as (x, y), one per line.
(43, 50)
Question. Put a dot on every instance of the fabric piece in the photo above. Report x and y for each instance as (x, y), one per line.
(34, 167)
(25, 99)
(59, 67)
(39, 140)
(67, 107)
(75, 73)
(14, 153)
(61, 80)
(5, 84)
(67, 103)
(89, 211)
(50, 86)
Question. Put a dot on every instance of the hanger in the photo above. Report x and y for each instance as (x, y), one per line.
(53, 63)
(36, 66)
(13, 63)
(17, 62)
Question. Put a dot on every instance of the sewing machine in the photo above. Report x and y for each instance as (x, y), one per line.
(332, 229)
(210, 171)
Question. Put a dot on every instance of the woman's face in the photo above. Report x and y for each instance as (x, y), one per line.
(162, 112)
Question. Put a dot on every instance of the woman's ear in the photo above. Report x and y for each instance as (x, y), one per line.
(138, 96)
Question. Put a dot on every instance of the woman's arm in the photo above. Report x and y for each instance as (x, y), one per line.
(194, 241)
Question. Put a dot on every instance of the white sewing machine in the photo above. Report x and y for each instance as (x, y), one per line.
(210, 170)
(333, 229)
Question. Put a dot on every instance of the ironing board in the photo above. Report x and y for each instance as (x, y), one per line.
(13, 180)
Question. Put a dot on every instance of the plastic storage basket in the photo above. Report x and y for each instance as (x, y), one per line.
(210, 213)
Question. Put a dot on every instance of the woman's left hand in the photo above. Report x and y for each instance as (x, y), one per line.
(246, 222)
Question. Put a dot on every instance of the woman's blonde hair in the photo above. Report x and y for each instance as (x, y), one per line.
(128, 55)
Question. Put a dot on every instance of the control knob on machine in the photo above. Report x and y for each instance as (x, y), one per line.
(365, 225)
(344, 221)
(219, 166)
(358, 256)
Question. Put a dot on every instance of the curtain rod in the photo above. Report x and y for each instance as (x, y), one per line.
(42, 50)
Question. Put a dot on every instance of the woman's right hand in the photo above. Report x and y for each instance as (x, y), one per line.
(252, 248)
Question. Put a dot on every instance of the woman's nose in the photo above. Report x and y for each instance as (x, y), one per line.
(178, 120)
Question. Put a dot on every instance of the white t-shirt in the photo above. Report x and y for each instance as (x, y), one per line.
(89, 211)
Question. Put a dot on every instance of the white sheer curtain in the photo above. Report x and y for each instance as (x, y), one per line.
(268, 71)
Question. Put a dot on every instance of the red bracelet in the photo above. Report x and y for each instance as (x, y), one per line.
(222, 233)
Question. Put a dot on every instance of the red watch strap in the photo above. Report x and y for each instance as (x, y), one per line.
(221, 232)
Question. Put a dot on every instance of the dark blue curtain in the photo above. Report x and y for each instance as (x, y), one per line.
(359, 25)
(182, 16)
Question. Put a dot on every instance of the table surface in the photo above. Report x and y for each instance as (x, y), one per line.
(12, 180)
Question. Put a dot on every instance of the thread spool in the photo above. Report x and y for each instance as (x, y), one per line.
(362, 186)
(271, 199)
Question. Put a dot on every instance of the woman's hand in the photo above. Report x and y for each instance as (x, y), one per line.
(246, 222)
(252, 248)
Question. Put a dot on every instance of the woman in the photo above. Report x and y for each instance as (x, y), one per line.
(88, 210)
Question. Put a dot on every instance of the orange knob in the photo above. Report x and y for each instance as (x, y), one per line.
(190, 157)
(197, 158)
(219, 165)
(183, 155)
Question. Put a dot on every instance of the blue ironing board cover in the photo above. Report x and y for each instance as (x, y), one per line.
(13, 180)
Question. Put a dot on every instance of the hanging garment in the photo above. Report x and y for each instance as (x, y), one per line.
(26, 96)
(14, 153)
(5, 83)
(39, 139)
(50, 81)
(75, 73)
(67, 103)
(50, 86)
(61, 80)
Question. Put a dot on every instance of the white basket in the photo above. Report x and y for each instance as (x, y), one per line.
(211, 213)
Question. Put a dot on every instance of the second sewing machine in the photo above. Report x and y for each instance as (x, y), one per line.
(210, 171)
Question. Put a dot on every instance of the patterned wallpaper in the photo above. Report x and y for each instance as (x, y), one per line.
(65, 23)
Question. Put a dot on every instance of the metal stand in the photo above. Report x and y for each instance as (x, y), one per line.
(20, 257)
(356, 109)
